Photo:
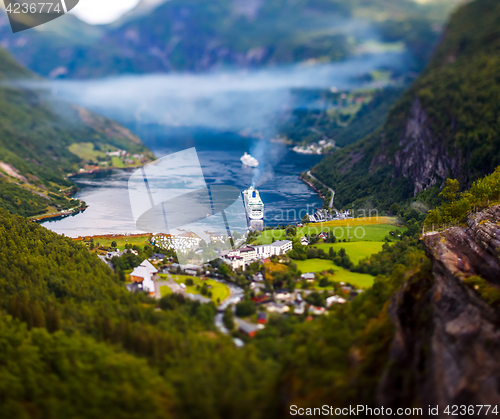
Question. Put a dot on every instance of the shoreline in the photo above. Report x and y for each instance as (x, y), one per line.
(59, 215)
(64, 214)
(301, 177)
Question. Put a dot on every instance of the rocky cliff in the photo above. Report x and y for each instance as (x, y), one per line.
(446, 347)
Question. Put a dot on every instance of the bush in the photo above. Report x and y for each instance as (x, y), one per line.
(189, 282)
(245, 308)
(228, 319)
(323, 282)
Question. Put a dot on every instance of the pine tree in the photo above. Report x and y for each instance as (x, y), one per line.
(38, 315)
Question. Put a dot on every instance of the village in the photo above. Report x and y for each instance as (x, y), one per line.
(282, 274)
(249, 286)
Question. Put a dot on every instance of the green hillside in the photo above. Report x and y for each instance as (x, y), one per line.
(76, 343)
(446, 124)
(198, 35)
(34, 138)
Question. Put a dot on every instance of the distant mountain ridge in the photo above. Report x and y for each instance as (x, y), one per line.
(446, 124)
(195, 35)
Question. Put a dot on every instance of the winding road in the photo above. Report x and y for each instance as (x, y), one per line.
(330, 189)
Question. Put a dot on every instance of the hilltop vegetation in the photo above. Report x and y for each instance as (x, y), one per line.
(195, 35)
(455, 207)
(445, 124)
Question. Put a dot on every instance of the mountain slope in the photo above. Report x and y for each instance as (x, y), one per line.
(446, 124)
(35, 139)
(195, 35)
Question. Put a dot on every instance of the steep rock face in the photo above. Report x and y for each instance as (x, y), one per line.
(470, 251)
(446, 348)
(422, 156)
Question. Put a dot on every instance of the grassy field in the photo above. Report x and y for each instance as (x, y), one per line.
(117, 162)
(355, 250)
(219, 291)
(315, 265)
(356, 222)
(121, 241)
(357, 232)
(341, 275)
(164, 290)
(85, 151)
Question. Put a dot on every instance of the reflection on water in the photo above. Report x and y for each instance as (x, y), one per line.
(282, 192)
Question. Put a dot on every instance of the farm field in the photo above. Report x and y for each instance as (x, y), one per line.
(315, 265)
(357, 222)
(356, 229)
(341, 275)
(117, 162)
(86, 151)
(121, 241)
(356, 250)
(219, 291)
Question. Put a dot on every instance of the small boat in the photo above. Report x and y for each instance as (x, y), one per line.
(249, 161)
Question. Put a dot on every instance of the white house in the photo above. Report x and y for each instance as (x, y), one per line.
(299, 308)
(238, 258)
(334, 299)
(277, 248)
(317, 311)
(144, 275)
(304, 241)
(248, 253)
(309, 276)
(277, 308)
(234, 262)
(282, 295)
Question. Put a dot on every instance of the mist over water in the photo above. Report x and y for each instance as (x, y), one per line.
(231, 100)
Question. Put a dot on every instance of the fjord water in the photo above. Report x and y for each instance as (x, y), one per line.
(283, 193)
(222, 115)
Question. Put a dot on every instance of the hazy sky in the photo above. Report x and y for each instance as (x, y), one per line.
(99, 11)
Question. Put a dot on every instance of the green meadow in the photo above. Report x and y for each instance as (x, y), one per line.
(356, 250)
(356, 233)
(219, 291)
(341, 275)
(121, 241)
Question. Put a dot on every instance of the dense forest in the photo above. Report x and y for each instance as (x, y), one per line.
(445, 125)
(70, 327)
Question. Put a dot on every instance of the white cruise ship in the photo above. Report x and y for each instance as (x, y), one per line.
(249, 161)
(253, 204)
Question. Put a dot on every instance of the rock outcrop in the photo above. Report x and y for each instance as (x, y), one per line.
(446, 348)
(422, 156)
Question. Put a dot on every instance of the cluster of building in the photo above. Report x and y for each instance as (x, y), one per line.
(324, 215)
(283, 301)
(321, 147)
(181, 243)
(116, 153)
(239, 258)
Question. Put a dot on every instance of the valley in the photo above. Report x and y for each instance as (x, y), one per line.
(394, 301)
